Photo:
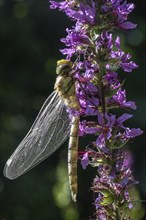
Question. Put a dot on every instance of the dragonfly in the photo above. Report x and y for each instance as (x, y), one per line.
(50, 129)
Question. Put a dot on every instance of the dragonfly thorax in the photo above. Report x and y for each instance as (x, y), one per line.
(65, 87)
(65, 84)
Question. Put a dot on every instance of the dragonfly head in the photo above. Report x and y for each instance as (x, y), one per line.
(63, 67)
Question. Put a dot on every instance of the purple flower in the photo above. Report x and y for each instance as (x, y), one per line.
(75, 39)
(122, 59)
(61, 5)
(124, 161)
(85, 160)
(120, 11)
(74, 42)
(85, 72)
(111, 78)
(68, 52)
(132, 133)
(127, 25)
(87, 128)
(84, 15)
(120, 99)
(123, 118)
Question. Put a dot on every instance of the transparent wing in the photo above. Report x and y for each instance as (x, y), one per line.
(48, 132)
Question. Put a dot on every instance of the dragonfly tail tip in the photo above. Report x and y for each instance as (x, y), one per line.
(74, 197)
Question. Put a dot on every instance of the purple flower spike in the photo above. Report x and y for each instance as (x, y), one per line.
(97, 56)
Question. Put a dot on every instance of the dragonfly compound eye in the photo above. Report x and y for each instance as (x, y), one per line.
(63, 67)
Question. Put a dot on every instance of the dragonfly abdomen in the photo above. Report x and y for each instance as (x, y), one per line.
(73, 156)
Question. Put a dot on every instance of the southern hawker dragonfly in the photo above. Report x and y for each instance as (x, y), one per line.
(50, 129)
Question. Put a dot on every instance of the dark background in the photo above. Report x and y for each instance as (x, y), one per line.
(30, 42)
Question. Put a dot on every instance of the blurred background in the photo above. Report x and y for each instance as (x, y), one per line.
(30, 41)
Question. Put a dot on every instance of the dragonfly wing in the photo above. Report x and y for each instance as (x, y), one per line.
(48, 132)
